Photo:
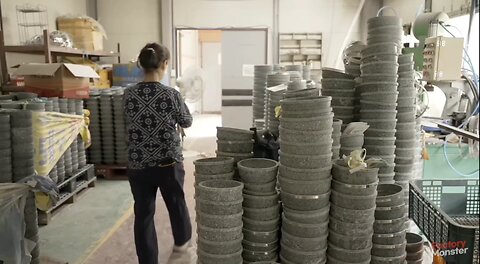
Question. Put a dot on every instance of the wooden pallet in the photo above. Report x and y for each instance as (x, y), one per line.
(70, 190)
(111, 172)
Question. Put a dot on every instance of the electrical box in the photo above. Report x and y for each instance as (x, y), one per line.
(442, 59)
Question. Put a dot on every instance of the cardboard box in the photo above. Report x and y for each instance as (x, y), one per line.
(125, 74)
(57, 79)
(85, 32)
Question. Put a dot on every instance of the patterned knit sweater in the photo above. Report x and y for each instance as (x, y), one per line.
(152, 112)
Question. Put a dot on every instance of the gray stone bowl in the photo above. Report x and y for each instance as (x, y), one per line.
(343, 101)
(391, 212)
(218, 208)
(357, 202)
(393, 31)
(237, 157)
(405, 67)
(311, 92)
(346, 255)
(289, 255)
(307, 217)
(341, 173)
(262, 214)
(390, 226)
(404, 109)
(306, 114)
(409, 74)
(389, 48)
(337, 126)
(414, 242)
(406, 117)
(304, 230)
(219, 221)
(384, 67)
(305, 161)
(205, 177)
(218, 165)
(307, 124)
(406, 101)
(256, 256)
(219, 234)
(305, 202)
(261, 237)
(330, 73)
(379, 57)
(221, 247)
(384, 97)
(380, 141)
(338, 83)
(346, 216)
(260, 189)
(372, 105)
(306, 148)
(367, 78)
(380, 21)
(258, 202)
(386, 178)
(258, 170)
(304, 187)
(319, 103)
(389, 195)
(255, 246)
(406, 143)
(304, 243)
(234, 134)
(403, 176)
(352, 141)
(349, 241)
(405, 168)
(304, 174)
(235, 146)
(380, 86)
(389, 239)
(389, 250)
(220, 190)
(261, 226)
(331, 259)
(354, 189)
(404, 58)
(338, 93)
(391, 260)
(206, 258)
(376, 150)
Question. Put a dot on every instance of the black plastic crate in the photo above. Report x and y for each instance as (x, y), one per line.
(448, 211)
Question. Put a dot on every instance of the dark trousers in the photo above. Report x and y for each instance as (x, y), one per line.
(144, 184)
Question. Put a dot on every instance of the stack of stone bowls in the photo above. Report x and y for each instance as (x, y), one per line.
(6, 175)
(352, 58)
(121, 156)
(22, 144)
(95, 150)
(352, 214)
(67, 156)
(61, 161)
(53, 174)
(295, 85)
(261, 210)
(235, 143)
(219, 168)
(304, 178)
(336, 136)
(259, 84)
(272, 99)
(107, 127)
(341, 87)
(379, 90)
(219, 221)
(295, 68)
(414, 248)
(406, 144)
(352, 139)
(74, 146)
(309, 92)
(82, 155)
(390, 225)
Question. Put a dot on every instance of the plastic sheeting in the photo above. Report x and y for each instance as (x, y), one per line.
(14, 247)
(53, 133)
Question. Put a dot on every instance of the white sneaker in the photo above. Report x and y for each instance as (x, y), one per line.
(186, 254)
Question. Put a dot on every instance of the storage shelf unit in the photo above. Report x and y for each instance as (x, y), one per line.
(50, 52)
(300, 48)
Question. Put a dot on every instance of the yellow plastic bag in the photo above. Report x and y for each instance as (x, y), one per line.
(53, 133)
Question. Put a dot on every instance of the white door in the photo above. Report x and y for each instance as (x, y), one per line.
(240, 48)
(211, 71)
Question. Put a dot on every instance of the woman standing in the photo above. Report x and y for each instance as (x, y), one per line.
(153, 112)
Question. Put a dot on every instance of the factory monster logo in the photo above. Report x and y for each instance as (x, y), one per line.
(450, 248)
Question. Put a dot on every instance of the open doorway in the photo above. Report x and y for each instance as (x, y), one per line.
(218, 59)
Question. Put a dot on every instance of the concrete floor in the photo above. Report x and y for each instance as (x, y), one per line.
(99, 227)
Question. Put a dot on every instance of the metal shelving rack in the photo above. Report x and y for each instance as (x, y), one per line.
(301, 48)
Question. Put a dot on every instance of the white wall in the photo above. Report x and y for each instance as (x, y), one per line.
(130, 23)
(55, 8)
